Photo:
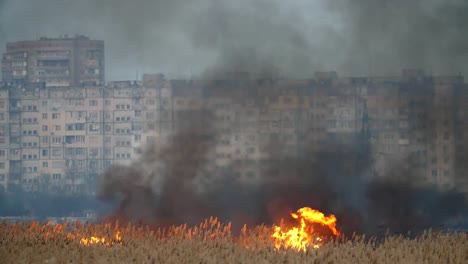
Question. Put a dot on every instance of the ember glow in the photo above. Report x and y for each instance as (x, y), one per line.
(308, 231)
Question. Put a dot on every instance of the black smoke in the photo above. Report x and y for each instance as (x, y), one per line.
(173, 182)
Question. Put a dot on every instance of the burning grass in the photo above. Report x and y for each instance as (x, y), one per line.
(210, 242)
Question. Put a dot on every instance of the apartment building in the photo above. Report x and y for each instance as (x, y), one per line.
(65, 61)
(62, 138)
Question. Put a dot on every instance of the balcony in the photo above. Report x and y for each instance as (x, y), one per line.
(15, 155)
(14, 109)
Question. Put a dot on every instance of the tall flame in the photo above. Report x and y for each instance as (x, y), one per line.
(300, 238)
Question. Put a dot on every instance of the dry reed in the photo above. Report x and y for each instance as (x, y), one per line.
(210, 242)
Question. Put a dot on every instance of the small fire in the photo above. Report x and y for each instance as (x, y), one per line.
(102, 240)
(300, 238)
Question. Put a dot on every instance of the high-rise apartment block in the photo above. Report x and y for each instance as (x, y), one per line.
(65, 61)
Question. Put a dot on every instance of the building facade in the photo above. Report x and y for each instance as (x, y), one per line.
(66, 61)
(62, 138)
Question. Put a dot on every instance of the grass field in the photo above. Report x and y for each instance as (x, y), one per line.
(210, 242)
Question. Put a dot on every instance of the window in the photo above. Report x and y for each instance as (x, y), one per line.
(2, 165)
(2, 153)
(93, 127)
(56, 116)
(93, 102)
(57, 127)
(93, 164)
(107, 102)
(45, 152)
(44, 115)
(107, 163)
(81, 164)
(45, 164)
(137, 113)
(44, 128)
(56, 176)
(45, 139)
(44, 103)
(434, 173)
(94, 152)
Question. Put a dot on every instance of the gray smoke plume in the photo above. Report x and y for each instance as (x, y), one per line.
(171, 183)
(204, 37)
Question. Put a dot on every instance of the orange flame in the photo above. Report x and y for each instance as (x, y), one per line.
(102, 240)
(300, 238)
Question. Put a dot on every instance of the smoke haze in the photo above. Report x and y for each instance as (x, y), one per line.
(292, 38)
(170, 185)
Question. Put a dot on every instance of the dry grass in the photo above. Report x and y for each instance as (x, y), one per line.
(210, 242)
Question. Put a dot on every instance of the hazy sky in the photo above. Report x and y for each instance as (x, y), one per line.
(296, 38)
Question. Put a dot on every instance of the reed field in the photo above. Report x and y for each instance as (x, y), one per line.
(210, 242)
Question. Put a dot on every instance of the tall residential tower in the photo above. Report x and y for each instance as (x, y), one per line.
(66, 61)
